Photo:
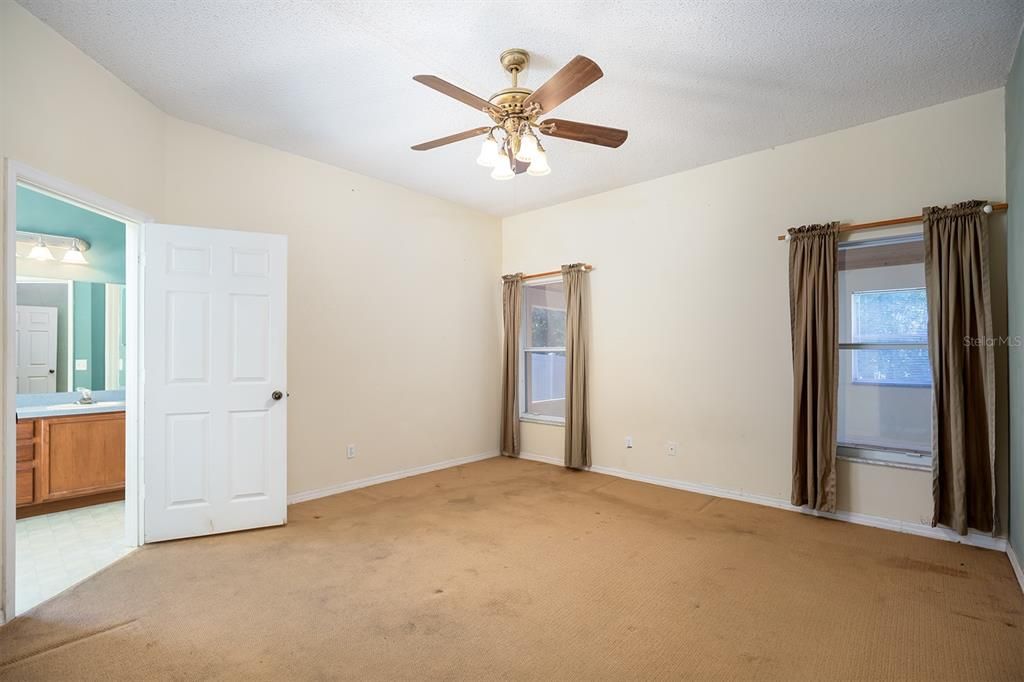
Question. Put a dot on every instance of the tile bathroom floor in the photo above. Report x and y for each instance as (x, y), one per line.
(55, 551)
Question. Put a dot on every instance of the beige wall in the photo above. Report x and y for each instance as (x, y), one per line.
(391, 304)
(392, 309)
(690, 305)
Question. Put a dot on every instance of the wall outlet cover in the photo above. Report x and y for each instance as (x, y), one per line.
(81, 365)
(671, 448)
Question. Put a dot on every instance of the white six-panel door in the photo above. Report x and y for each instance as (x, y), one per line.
(214, 381)
(36, 349)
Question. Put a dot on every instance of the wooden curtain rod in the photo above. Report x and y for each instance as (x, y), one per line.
(535, 275)
(895, 221)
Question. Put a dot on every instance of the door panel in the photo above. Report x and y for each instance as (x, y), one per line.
(214, 457)
(36, 349)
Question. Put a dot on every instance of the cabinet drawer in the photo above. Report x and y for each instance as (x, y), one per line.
(25, 486)
(26, 451)
(26, 430)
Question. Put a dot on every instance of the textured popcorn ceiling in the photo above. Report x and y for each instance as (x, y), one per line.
(693, 82)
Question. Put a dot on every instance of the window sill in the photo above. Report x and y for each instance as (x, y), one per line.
(542, 419)
(885, 458)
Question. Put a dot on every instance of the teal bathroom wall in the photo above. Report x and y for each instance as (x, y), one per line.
(39, 212)
(89, 313)
(1015, 256)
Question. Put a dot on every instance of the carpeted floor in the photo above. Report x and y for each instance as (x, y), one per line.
(509, 569)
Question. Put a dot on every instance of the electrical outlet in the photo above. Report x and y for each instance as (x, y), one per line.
(350, 451)
(671, 448)
(629, 441)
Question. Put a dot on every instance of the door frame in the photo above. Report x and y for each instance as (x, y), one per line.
(16, 173)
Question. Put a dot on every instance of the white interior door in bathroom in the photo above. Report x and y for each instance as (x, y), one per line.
(36, 350)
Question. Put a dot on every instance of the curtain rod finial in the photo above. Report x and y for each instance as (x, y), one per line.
(987, 208)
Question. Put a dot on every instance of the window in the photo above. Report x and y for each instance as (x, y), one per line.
(883, 319)
(543, 361)
(884, 371)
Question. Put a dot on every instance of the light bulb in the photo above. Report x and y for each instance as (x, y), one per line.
(488, 152)
(503, 169)
(40, 251)
(527, 147)
(539, 165)
(74, 256)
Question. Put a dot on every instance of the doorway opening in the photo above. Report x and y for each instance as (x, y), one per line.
(71, 338)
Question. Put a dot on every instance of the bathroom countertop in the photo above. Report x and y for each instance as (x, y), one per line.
(38, 405)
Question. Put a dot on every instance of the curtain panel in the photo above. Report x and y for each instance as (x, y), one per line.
(512, 310)
(963, 366)
(813, 308)
(577, 350)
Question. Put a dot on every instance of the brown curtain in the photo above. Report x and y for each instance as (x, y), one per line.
(512, 307)
(963, 366)
(813, 306)
(577, 348)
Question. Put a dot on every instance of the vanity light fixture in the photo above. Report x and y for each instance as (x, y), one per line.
(42, 244)
(40, 251)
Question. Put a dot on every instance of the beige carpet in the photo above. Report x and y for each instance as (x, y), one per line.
(509, 569)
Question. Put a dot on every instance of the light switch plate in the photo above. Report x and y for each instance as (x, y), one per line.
(81, 365)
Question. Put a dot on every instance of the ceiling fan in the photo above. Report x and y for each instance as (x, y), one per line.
(517, 148)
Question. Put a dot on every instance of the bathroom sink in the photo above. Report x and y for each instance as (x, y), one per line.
(77, 406)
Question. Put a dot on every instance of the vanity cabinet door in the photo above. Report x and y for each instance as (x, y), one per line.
(82, 455)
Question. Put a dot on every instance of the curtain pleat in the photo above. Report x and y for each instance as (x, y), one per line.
(963, 367)
(577, 350)
(512, 307)
(813, 306)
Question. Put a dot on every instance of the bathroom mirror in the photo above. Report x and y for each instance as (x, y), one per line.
(70, 335)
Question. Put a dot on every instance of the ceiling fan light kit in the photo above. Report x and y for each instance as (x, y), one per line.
(513, 145)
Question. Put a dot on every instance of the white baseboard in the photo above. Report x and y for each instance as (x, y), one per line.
(975, 539)
(1016, 566)
(384, 478)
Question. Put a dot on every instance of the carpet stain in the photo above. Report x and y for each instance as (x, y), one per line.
(924, 566)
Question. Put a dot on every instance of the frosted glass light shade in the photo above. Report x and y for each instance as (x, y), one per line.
(539, 165)
(74, 256)
(488, 153)
(503, 170)
(40, 251)
(527, 148)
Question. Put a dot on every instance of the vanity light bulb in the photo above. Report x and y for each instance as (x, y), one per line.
(74, 256)
(40, 251)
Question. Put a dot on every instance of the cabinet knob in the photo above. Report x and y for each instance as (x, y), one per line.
(277, 395)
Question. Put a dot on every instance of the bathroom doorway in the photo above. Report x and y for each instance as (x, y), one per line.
(72, 291)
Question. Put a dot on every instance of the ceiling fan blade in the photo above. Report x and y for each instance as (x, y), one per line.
(441, 141)
(570, 79)
(584, 132)
(455, 92)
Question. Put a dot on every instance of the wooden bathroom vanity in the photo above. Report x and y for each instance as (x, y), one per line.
(69, 461)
